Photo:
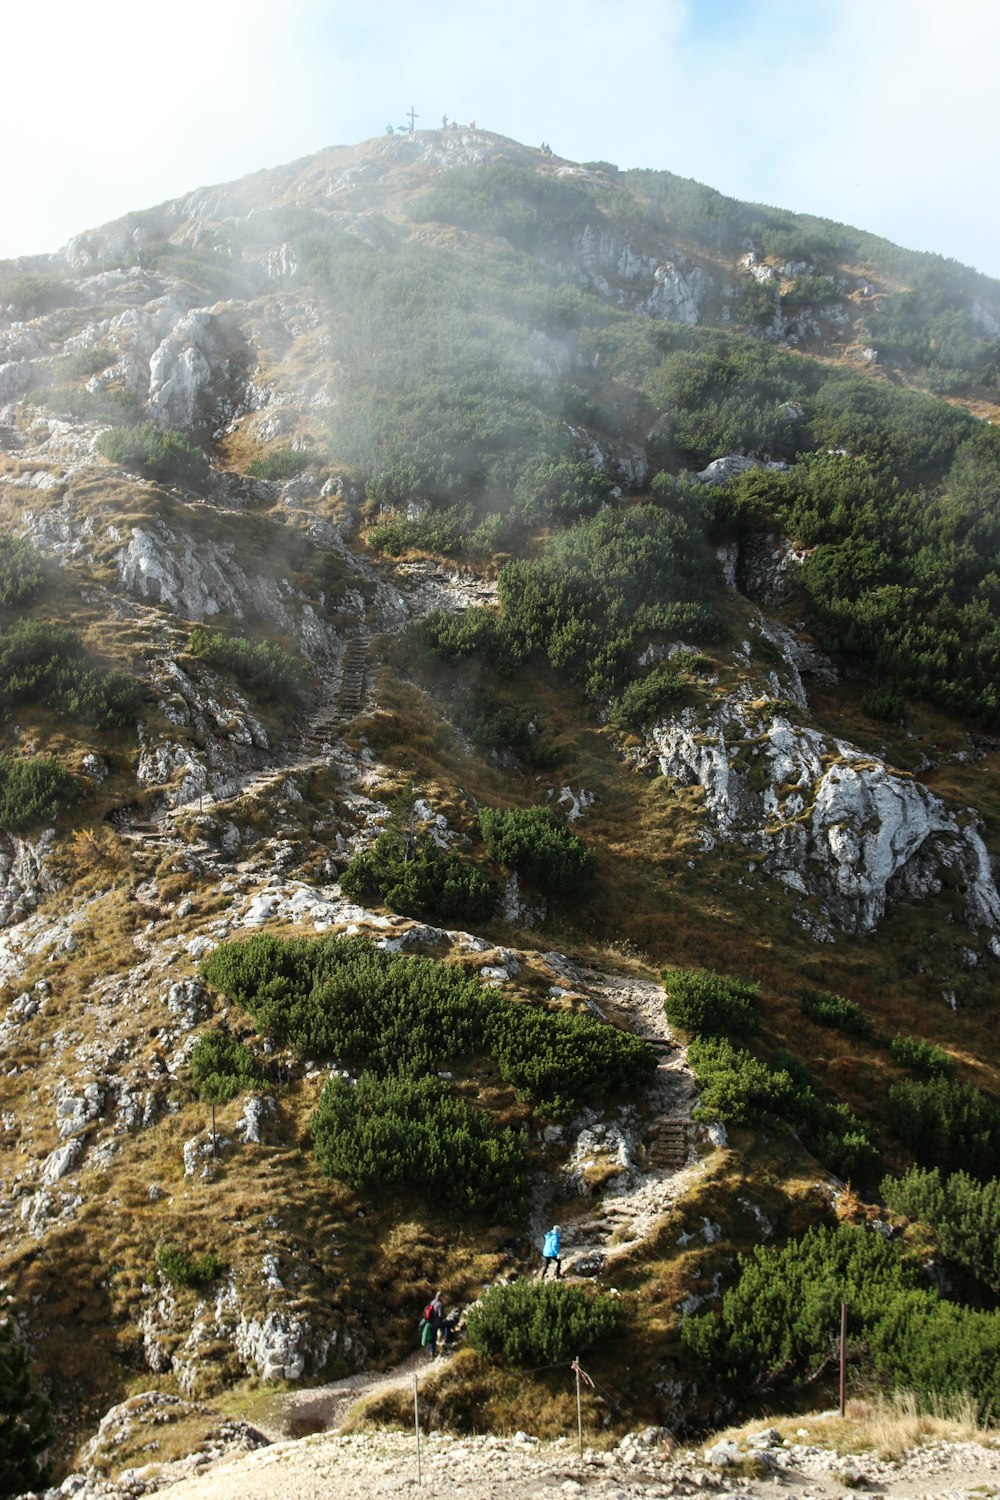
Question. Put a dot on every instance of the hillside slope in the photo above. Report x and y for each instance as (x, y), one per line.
(346, 503)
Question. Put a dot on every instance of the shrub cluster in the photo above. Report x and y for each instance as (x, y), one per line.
(643, 700)
(921, 1056)
(834, 1010)
(343, 998)
(741, 1089)
(396, 1131)
(25, 1420)
(262, 666)
(282, 463)
(534, 842)
(33, 790)
(223, 1067)
(43, 661)
(493, 725)
(962, 1214)
(776, 1326)
(180, 1269)
(21, 574)
(946, 1124)
(708, 1004)
(532, 1323)
(420, 881)
(161, 452)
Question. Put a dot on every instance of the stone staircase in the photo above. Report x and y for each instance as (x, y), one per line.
(11, 438)
(352, 674)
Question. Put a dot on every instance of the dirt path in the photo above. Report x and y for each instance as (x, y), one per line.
(323, 1408)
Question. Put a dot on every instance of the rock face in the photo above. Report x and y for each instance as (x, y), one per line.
(831, 822)
(25, 877)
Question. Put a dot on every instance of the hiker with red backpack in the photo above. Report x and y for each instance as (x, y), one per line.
(433, 1322)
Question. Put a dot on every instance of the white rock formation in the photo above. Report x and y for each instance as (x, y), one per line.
(831, 822)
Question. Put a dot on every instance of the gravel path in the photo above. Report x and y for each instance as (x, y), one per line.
(366, 1466)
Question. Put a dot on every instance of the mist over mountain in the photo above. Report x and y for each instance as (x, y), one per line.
(499, 667)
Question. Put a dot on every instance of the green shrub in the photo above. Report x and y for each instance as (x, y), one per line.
(708, 1004)
(561, 1059)
(834, 1010)
(261, 666)
(161, 452)
(21, 575)
(343, 998)
(180, 1269)
(540, 1323)
(884, 704)
(962, 1214)
(33, 790)
(222, 1067)
(946, 1124)
(444, 532)
(419, 882)
(921, 1056)
(120, 408)
(42, 660)
(493, 725)
(534, 842)
(282, 463)
(32, 293)
(399, 1132)
(644, 700)
(777, 1325)
(740, 1089)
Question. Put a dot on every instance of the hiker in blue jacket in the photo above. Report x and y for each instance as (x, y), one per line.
(550, 1252)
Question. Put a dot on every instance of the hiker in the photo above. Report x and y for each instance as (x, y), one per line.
(432, 1323)
(550, 1252)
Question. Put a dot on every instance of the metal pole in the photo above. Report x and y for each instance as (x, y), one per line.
(843, 1358)
(416, 1425)
(579, 1407)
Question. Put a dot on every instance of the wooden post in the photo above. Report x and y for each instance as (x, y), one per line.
(416, 1425)
(843, 1359)
(579, 1407)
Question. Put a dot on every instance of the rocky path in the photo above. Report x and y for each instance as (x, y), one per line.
(369, 1465)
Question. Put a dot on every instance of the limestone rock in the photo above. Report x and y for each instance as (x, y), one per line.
(829, 821)
(25, 875)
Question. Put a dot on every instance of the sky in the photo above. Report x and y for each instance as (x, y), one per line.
(877, 113)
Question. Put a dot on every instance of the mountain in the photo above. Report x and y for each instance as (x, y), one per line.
(495, 651)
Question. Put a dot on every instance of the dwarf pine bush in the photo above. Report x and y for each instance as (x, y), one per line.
(419, 882)
(962, 1214)
(537, 1323)
(161, 452)
(33, 790)
(534, 842)
(708, 1004)
(21, 575)
(399, 1132)
(262, 666)
(834, 1010)
(776, 1326)
(921, 1056)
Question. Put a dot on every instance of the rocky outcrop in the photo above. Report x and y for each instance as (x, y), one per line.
(671, 290)
(192, 369)
(829, 821)
(26, 875)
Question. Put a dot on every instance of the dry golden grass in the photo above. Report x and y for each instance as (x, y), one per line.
(884, 1424)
